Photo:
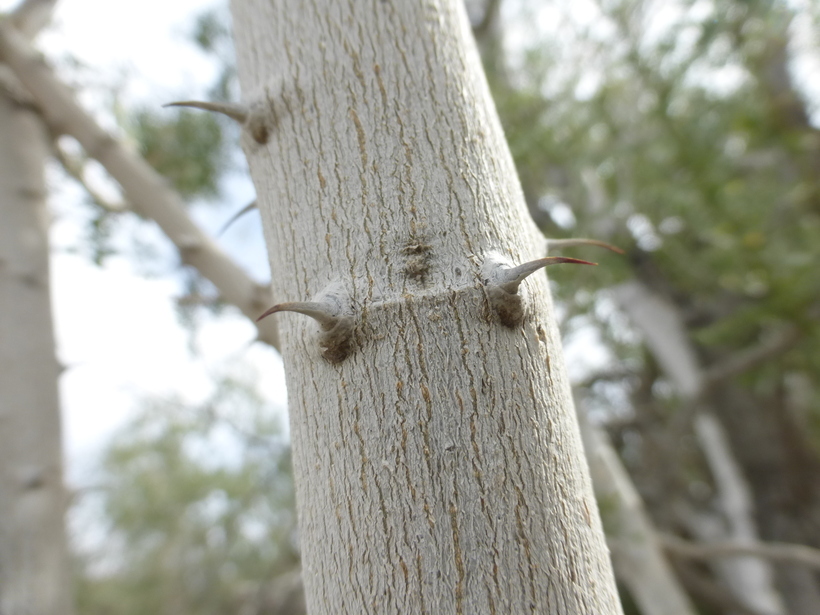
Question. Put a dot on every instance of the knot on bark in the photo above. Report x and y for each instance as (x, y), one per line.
(332, 310)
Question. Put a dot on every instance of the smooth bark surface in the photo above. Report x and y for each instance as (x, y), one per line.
(34, 573)
(438, 467)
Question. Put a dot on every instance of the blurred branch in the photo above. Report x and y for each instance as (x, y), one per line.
(708, 591)
(664, 332)
(774, 551)
(752, 579)
(146, 190)
(637, 556)
(75, 168)
(665, 335)
(31, 16)
(751, 357)
(491, 11)
(612, 375)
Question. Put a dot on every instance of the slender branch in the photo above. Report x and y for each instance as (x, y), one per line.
(75, 168)
(707, 591)
(751, 357)
(638, 558)
(144, 188)
(32, 16)
(774, 551)
(488, 19)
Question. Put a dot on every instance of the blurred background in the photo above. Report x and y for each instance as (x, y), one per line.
(685, 132)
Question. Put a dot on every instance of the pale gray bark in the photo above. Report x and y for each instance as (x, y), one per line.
(34, 573)
(438, 467)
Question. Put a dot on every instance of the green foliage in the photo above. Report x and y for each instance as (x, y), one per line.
(212, 34)
(185, 147)
(683, 153)
(190, 148)
(198, 509)
(211, 31)
(676, 131)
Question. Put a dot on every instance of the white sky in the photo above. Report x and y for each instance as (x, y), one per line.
(117, 331)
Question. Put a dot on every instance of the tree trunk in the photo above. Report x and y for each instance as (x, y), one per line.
(782, 469)
(34, 574)
(637, 554)
(749, 579)
(436, 452)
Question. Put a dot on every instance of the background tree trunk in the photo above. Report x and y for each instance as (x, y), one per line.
(638, 558)
(438, 467)
(34, 573)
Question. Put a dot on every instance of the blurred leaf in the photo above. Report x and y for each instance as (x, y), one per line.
(185, 147)
(200, 502)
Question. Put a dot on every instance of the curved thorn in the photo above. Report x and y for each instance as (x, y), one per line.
(511, 278)
(568, 243)
(233, 111)
(320, 312)
(236, 216)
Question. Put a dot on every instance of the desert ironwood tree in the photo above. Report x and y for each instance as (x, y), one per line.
(437, 459)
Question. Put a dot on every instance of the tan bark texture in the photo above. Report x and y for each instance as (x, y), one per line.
(34, 573)
(438, 466)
